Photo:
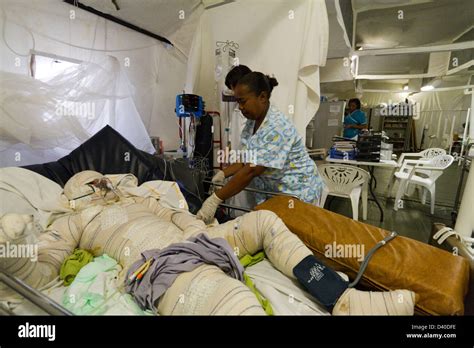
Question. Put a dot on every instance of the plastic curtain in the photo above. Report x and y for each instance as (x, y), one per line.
(43, 121)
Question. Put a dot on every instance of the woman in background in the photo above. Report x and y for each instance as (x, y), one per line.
(355, 121)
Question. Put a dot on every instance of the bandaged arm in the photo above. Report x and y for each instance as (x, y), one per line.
(52, 247)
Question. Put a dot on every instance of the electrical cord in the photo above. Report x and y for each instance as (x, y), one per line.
(4, 17)
(184, 188)
(81, 47)
(192, 134)
(164, 175)
(177, 49)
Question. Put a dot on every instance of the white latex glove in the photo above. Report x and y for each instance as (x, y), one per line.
(208, 209)
(219, 177)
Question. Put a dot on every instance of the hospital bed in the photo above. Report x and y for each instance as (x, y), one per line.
(440, 279)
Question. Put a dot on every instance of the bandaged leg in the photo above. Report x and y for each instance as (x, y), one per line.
(356, 302)
(333, 293)
(263, 230)
(259, 230)
(207, 290)
(321, 281)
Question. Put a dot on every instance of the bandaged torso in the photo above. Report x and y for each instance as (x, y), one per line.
(123, 231)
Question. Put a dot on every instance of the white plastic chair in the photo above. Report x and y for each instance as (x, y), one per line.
(430, 171)
(423, 155)
(343, 180)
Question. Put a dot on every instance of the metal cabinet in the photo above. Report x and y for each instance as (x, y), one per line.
(327, 122)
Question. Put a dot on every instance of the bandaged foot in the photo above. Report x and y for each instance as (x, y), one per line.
(356, 302)
(208, 209)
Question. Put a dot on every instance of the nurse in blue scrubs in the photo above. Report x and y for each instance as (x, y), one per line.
(355, 121)
(280, 162)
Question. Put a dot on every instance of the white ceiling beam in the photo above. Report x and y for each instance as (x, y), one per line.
(461, 67)
(394, 77)
(354, 25)
(463, 32)
(340, 21)
(422, 49)
(370, 6)
(442, 89)
(371, 90)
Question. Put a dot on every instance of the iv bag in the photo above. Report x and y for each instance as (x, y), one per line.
(219, 67)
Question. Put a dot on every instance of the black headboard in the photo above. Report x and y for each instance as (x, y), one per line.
(108, 152)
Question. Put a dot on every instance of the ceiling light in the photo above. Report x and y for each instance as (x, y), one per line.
(405, 88)
(427, 88)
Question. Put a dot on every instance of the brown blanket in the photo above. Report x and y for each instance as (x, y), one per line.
(439, 278)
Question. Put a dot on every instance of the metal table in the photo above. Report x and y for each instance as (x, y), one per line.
(371, 167)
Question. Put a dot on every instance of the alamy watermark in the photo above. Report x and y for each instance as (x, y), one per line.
(228, 156)
(345, 251)
(37, 331)
(75, 109)
(28, 251)
(401, 109)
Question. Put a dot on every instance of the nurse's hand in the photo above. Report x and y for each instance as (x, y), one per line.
(208, 209)
(218, 178)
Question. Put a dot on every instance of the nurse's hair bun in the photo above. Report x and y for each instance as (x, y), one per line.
(272, 81)
(257, 83)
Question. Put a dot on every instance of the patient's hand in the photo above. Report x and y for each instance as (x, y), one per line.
(208, 209)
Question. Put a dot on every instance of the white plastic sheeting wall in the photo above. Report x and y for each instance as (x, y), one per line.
(155, 70)
(42, 121)
(286, 38)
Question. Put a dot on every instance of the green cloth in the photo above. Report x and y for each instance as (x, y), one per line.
(250, 260)
(95, 291)
(73, 264)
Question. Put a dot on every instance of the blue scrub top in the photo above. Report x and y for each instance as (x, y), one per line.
(357, 117)
(278, 147)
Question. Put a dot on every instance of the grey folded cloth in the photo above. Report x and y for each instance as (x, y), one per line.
(177, 258)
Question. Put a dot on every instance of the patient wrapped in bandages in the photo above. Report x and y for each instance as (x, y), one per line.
(108, 218)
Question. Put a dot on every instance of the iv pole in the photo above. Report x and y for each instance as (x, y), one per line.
(232, 46)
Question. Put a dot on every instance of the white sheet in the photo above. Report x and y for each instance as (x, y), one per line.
(286, 296)
(26, 192)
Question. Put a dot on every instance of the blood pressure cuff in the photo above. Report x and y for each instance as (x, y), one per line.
(439, 278)
(320, 281)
